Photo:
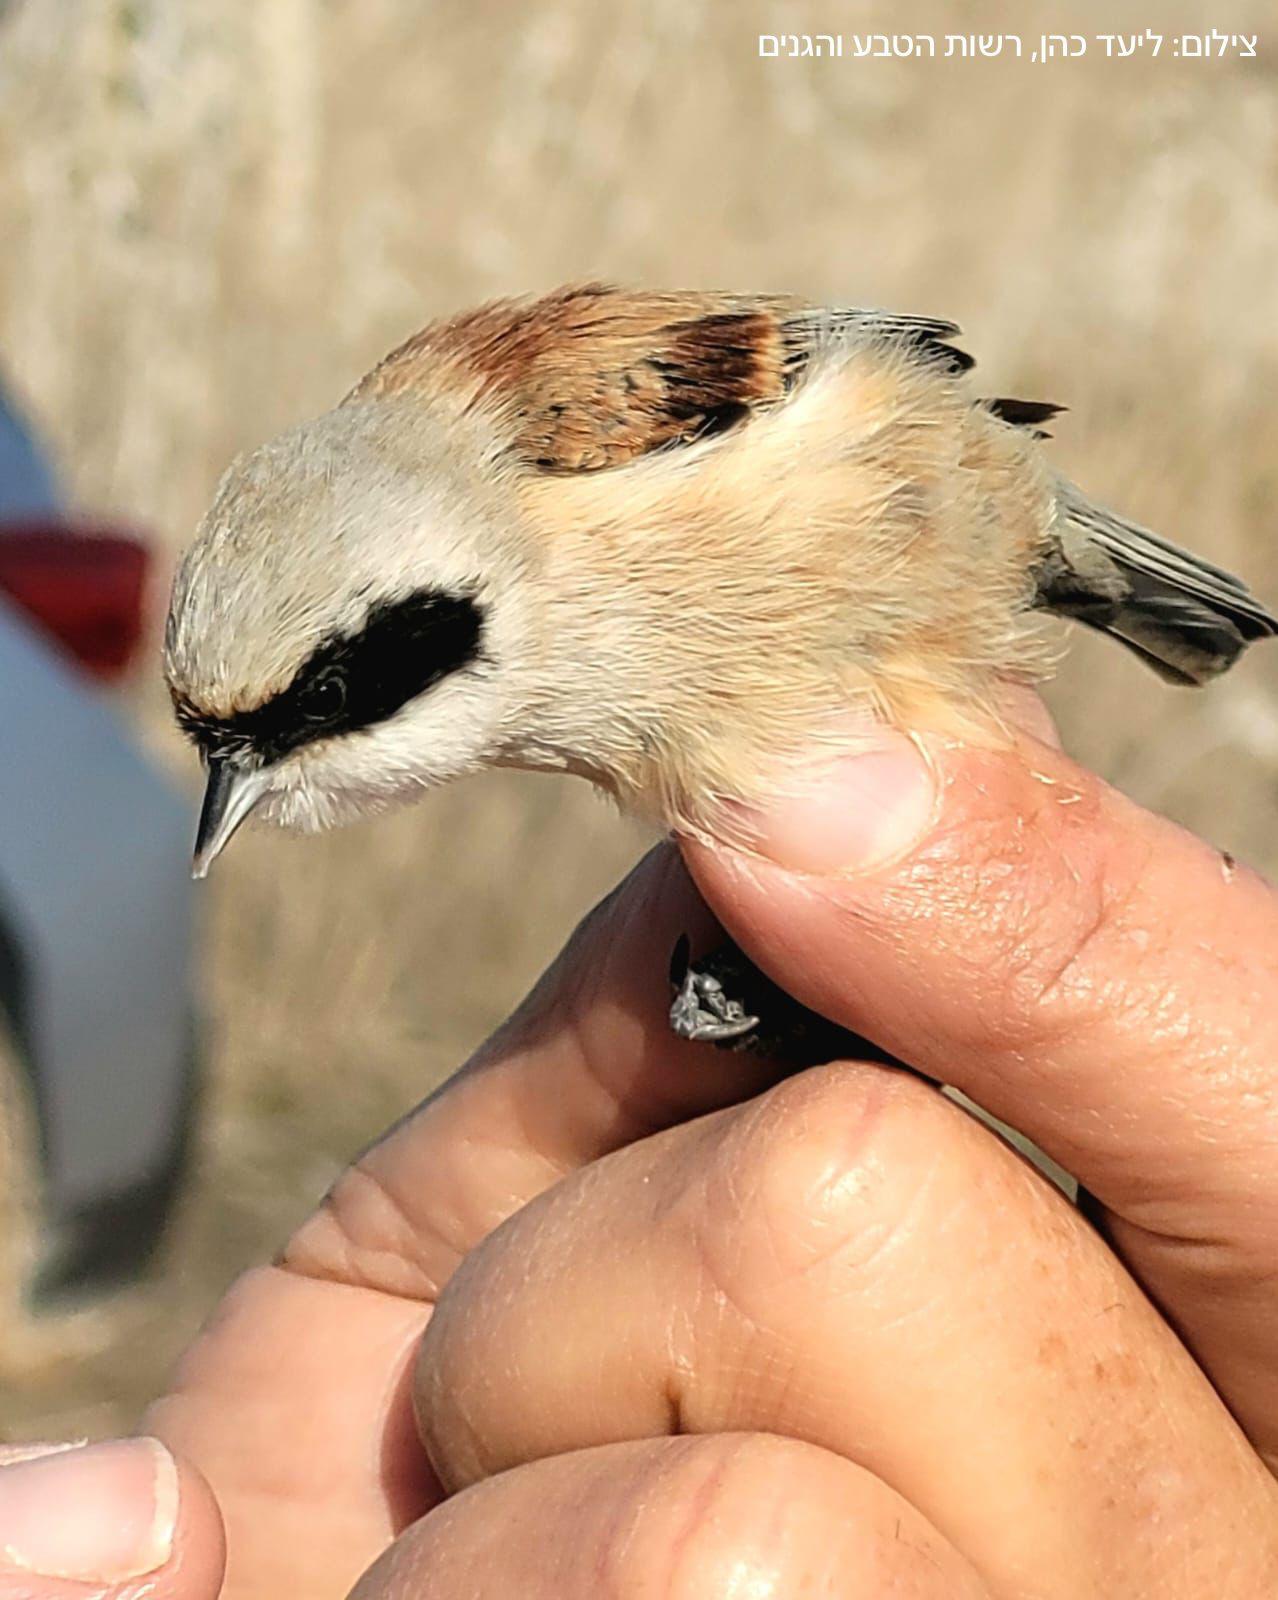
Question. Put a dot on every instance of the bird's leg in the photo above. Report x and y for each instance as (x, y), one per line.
(724, 999)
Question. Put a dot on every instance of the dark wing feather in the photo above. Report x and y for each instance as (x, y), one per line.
(1031, 414)
(806, 328)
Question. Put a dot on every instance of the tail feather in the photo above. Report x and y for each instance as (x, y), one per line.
(1189, 619)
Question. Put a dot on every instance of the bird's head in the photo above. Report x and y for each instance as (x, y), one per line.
(354, 622)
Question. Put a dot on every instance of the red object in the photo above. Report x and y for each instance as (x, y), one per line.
(83, 586)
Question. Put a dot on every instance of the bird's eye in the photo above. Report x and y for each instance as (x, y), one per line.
(324, 698)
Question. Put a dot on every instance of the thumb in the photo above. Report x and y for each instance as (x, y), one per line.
(106, 1515)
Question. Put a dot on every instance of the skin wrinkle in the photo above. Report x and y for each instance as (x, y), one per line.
(704, 1536)
(742, 1515)
(720, 1288)
(520, 1152)
(695, 1518)
(881, 1238)
(765, 1144)
(914, 908)
(466, 1453)
(339, 1259)
(1107, 906)
(343, 1254)
(683, 1213)
(1022, 1012)
(615, 1549)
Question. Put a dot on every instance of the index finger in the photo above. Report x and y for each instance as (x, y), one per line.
(294, 1402)
(1090, 973)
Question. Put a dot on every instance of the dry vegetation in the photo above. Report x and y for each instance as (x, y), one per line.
(217, 212)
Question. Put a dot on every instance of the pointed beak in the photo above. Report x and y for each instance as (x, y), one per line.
(231, 794)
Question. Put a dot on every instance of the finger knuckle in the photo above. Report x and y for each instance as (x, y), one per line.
(805, 1182)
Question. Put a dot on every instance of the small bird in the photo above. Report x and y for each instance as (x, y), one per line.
(670, 542)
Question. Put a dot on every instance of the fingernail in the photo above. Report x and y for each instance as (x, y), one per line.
(856, 812)
(98, 1513)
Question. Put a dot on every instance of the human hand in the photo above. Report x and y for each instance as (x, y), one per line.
(892, 1352)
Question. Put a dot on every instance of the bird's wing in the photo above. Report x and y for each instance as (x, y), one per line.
(592, 376)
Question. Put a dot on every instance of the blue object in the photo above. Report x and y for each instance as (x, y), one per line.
(95, 935)
(27, 487)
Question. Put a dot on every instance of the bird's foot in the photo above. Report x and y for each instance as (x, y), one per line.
(724, 999)
(702, 1009)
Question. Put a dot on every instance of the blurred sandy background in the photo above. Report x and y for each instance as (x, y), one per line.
(216, 213)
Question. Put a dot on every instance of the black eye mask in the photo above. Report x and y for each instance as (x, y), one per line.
(351, 681)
